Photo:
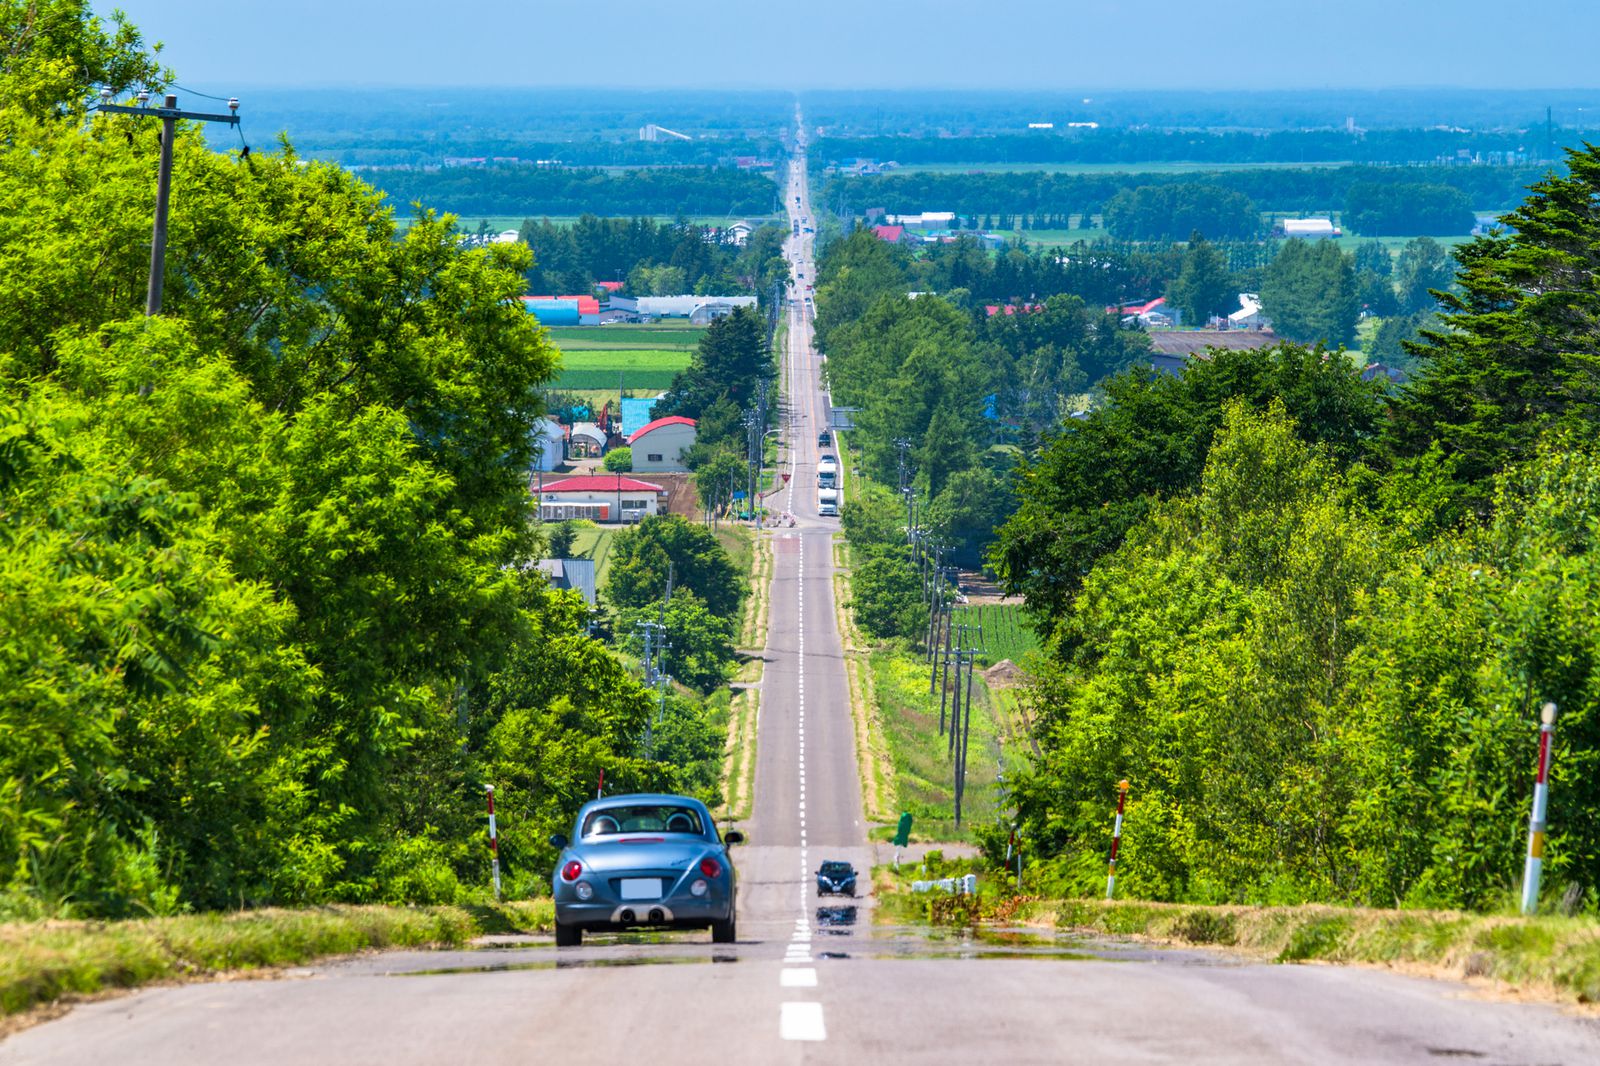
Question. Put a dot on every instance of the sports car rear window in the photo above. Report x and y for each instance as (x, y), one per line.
(615, 821)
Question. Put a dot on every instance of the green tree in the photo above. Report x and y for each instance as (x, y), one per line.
(1204, 287)
(886, 596)
(1104, 473)
(701, 643)
(1309, 292)
(619, 460)
(1516, 356)
(730, 363)
(1424, 265)
(640, 559)
(561, 538)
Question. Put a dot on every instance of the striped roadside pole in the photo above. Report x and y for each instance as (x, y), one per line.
(1541, 800)
(494, 843)
(1116, 839)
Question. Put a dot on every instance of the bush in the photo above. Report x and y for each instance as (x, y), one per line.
(619, 460)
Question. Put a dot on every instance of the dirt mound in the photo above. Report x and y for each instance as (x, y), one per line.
(1005, 674)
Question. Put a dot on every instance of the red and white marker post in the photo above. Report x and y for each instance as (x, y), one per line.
(600, 785)
(1116, 839)
(494, 843)
(1541, 801)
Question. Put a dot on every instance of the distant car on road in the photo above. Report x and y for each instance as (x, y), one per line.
(836, 878)
(644, 861)
(824, 439)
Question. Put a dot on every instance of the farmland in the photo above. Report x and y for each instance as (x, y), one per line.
(640, 358)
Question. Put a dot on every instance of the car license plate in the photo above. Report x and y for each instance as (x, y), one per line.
(641, 888)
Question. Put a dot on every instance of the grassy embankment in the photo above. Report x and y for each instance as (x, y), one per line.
(751, 553)
(1553, 957)
(41, 962)
(905, 762)
(601, 363)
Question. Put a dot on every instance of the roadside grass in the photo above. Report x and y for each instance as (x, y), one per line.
(1552, 957)
(754, 556)
(924, 769)
(44, 961)
(739, 755)
(874, 765)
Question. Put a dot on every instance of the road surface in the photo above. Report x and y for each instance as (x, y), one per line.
(803, 984)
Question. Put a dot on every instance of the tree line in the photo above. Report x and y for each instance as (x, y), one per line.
(1286, 190)
(1312, 622)
(268, 619)
(1122, 146)
(532, 191)
(652, 258)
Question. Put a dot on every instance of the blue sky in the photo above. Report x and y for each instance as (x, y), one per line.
(999, 44)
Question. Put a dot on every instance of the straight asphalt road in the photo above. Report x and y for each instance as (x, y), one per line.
(803, 984)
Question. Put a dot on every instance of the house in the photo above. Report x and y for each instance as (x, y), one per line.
(571, 574)
(1249, 315)
(599, 498)
(586, 441)
(739, 233)
(1154, 313)
(660, 446)
(549, 444)
(895, 235)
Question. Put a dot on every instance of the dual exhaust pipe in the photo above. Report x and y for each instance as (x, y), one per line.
(628, 916)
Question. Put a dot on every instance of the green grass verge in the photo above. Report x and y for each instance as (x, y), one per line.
(923, 769)
(1554, 957)
(41, 962)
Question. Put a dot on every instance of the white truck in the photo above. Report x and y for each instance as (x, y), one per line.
(828, 502)
(827, 473)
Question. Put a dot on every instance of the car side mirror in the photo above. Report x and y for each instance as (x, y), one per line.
(733, 836)
(558, 840)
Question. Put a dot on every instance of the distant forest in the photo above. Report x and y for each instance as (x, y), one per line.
(1127, 146)
(1271, 189)
(533, 192)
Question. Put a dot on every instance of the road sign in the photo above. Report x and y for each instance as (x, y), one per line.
(902, 835)
(739, 495)
(785, 477)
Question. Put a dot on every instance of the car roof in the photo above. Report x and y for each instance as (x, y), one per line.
(642, 799)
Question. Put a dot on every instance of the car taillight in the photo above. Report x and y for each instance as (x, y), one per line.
(710, 867)
(571, 870)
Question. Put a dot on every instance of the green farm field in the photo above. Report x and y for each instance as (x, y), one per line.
(1103, 168)
(638, 358)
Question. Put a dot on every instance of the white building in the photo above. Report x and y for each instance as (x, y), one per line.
(600, 498)
(1249, 314)
(549, 444)
(926, 220)
(659, 446)
(1309, 228)
(676, 306)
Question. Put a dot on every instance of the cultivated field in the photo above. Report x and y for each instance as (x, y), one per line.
(639, 359)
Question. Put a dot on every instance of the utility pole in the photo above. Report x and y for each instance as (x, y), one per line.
(169, 114)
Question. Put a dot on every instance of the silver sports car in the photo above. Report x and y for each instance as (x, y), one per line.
(644, 861)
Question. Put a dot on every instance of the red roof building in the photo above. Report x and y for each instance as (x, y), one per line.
(1010, 309)
(1138, 309)
(892, 234)
(587, 305)
(600, 483)
(670, 420)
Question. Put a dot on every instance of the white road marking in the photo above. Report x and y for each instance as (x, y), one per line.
(800, 977)
(802, 1021)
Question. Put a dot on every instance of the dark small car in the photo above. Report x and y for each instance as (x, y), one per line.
(824, 439)
(836, 878)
